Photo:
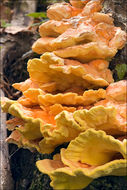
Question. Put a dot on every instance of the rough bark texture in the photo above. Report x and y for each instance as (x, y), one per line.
(118, 9)
(15, 41)
(6, 181)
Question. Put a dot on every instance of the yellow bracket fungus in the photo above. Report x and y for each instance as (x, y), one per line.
(69, 125)
(76, 166)
(89, 97)
(65, 73)
(85, 34)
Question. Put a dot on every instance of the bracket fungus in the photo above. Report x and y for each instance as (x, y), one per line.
(55, 122)
(64, 73)
(77, 166)
(70, 96)
(84, 36)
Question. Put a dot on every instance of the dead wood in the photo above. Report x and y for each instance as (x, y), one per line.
(6, 182)
(15, 41)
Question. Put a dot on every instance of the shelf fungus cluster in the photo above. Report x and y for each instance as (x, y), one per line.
(71, 97)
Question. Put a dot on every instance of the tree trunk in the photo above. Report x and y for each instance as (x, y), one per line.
(15, 41)
(6, 181)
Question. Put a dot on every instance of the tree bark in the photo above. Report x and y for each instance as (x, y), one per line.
(15, 41)
(6, 182)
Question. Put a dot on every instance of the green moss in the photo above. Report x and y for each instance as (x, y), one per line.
(40, 182)
(108, 183)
